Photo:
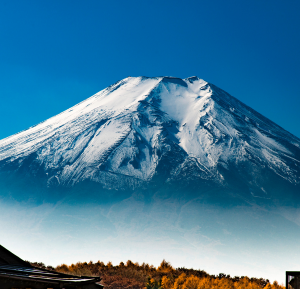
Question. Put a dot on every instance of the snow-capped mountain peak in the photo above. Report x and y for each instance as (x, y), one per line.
(133, 127)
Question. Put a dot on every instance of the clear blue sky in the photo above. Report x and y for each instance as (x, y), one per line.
(54, 54)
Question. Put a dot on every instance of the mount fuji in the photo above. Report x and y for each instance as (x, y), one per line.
(156, 132)
(162, 155)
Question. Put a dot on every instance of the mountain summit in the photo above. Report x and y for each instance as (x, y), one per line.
(142, 131)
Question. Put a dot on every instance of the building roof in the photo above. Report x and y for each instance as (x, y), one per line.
(13, 267)
(293, 273)
(8, 258)
(30, 273)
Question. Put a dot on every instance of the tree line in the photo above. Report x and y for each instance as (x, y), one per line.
(144, 276)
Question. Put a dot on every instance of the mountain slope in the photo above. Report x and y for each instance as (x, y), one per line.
(160, 130)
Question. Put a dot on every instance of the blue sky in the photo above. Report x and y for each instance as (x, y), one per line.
(54, 54)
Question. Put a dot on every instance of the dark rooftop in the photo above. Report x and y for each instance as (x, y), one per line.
(36, 274)
(14, 268)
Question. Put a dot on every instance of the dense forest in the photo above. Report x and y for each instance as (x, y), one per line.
(135, 276)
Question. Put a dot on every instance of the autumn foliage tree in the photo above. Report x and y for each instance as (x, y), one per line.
(144, 276)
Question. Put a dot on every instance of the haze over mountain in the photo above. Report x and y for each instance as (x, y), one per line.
(162, 156)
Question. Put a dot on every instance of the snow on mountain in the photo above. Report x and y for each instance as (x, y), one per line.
(139, 124)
